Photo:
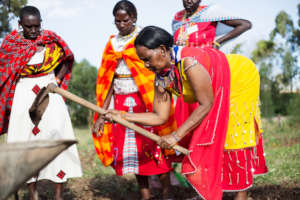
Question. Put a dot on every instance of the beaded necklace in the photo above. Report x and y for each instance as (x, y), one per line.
(169, 78)
(121, 41)
(183, 37)
(126, 37)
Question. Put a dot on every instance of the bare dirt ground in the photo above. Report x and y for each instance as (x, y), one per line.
(120, 188)
(112, 187)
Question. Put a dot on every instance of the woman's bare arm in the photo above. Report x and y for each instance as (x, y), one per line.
(99, 123)
(161, 110)
(62, 72)
(239, 25)
(201, 83)
(108, 97)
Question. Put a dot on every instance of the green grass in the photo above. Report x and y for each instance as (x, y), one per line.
(91, 164)
(282, 148)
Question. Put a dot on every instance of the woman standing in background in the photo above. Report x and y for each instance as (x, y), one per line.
(122, 75)
(30, 59)
(208, 26)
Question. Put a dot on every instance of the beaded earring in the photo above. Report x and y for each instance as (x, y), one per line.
(42, 27)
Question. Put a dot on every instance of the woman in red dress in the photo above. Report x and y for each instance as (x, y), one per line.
(196, 75)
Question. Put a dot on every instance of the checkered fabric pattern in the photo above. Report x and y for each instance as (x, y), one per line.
(61, 174)
(36, 130)
(144, 79)
(36, 89)
(15, 52)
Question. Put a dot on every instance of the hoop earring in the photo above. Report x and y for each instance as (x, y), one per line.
(20, 28)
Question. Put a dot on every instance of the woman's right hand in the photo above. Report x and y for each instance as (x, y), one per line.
(167, 141)
(99, 126)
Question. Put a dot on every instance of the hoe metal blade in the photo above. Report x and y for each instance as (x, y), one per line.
(21, 161)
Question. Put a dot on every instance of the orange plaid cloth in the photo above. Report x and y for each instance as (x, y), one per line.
(144, 79)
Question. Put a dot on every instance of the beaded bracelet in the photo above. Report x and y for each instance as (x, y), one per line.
(175, 137)
(217, 43)
(123, 113)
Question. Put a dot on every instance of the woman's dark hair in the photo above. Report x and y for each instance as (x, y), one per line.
(29, 10)
(153, 36)
(127, 6)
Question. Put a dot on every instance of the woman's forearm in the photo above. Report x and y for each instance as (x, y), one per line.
(160, 114)
(193, 120)
(108, 97)
(232, 34)
(62, 72)
(106, 101)
(240, 26)
(146, 119)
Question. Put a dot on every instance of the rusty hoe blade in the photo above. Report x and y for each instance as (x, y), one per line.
(39, 106)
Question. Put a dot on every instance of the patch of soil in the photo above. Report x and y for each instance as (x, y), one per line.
(120, 188)
(275, 192)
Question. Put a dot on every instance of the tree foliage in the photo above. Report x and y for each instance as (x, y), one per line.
(284, 25)
(287, 32)
(9, 9)
(290, 69)
(278, 59)
(83, 84)
(237, 49)
(265, 48)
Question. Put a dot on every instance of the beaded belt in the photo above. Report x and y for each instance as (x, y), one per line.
(123, 76)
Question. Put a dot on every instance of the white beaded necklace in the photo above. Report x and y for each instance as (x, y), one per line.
(121, 38)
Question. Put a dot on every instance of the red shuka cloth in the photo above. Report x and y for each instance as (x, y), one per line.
(202, 167)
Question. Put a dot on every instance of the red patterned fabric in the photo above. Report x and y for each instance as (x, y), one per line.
(258, 158)
(61, 174)
(149, 158)
(203, 35)
(36, 89)
(143, 78)
(241, 165)
(237, 172)
(15, 53)
(202, 167)
(36, 130)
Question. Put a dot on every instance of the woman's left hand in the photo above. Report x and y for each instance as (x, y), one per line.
(167, 141)
(109, 113)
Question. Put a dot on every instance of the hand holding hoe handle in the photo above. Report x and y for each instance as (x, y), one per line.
(53, 88)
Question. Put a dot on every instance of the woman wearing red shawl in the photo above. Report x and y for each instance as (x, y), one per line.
(195, 75)
(31, 59)
(122, 75)
(209, 26)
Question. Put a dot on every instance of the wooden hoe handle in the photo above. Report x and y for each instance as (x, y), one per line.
(53, 88)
